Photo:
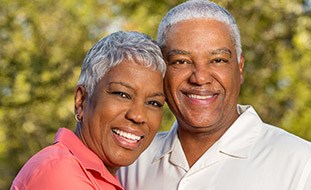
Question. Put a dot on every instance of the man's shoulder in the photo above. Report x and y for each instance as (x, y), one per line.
(272, 137)
(280, 139)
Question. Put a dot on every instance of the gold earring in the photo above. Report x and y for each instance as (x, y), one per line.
(77, 117)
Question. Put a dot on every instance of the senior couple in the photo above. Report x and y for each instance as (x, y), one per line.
(214, 144)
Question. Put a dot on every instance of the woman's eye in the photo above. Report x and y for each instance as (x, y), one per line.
(155, 104)
(122, 94)
(219, 60)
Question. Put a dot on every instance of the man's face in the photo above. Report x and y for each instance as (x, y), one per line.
(203, 77)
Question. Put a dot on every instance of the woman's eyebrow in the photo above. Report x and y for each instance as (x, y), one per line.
(121, 83)
(159, 94)
(128, 86)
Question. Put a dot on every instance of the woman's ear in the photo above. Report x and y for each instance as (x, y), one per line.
(80, 101)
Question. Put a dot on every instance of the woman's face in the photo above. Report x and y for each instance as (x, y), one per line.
(123, 114)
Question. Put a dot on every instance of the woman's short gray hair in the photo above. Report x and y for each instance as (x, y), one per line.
(194, 9)
(113, 50)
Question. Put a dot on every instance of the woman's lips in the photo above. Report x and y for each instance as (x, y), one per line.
(126, 139)
(127, 135)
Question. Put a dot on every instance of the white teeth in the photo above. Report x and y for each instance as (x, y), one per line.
(199, 97)
(126, 135)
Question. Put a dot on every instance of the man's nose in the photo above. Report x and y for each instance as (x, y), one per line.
(201, 74)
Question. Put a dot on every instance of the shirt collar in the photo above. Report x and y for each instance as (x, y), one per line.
(241, 137)
(168, 144)
(238, 140)
(87, 157)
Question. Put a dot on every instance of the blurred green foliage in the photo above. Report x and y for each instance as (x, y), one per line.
(43, 43)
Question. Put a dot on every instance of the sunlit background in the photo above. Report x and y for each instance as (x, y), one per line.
(43, 43)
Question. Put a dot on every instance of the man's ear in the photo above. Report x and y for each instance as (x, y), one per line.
(80, 101)
(241, 68)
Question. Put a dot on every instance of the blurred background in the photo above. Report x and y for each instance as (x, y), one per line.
(43, 44)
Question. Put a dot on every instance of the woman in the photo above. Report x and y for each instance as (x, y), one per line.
(118, 108)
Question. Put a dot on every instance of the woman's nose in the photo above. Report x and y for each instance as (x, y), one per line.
(136, 114)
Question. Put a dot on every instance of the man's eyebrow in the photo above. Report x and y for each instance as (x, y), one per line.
(221, 50)
(177, 52)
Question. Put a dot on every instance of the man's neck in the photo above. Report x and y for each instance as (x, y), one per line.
(195, 144)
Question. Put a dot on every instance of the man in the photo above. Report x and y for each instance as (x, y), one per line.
(215, 144)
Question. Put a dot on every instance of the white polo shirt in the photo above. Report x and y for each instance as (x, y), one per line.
(251, 155)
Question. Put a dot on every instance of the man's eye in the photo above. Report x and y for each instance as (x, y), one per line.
(219, 60)
(155, 104)
(179, 62)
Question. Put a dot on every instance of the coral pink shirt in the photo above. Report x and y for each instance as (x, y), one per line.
(66, 165)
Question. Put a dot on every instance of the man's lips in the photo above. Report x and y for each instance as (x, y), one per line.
(200, 97)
